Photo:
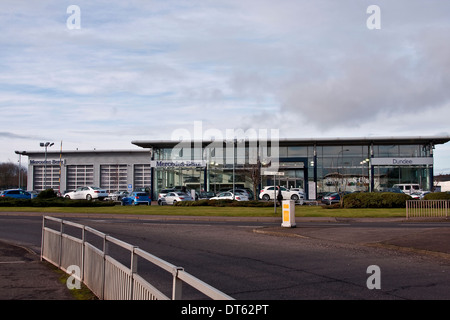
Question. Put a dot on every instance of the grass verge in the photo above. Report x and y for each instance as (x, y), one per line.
(301, 211)
(79, 294)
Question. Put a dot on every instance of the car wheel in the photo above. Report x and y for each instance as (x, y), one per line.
(67, 197)
(294, 197)
(88, 197)
(266, 197)
(174, 202)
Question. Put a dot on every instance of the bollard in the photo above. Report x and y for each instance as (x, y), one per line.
(288, 214)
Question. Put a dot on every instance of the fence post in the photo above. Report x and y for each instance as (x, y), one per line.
(61, 230)
(105, 252)
(446, 209)
(408, 202)
(133, 268)
(42, 237)
(83, 240)
(177, 289)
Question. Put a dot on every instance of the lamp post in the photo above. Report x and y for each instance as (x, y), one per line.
(45, 145)
(20, 167)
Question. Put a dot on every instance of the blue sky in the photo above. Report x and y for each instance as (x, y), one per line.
(138, 70)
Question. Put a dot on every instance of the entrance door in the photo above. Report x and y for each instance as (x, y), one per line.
(292, 183)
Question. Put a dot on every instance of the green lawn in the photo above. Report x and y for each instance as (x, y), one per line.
(301, 211)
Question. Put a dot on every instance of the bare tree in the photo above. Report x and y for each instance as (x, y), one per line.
(10, 174)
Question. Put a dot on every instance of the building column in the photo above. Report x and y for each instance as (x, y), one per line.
(372, 170)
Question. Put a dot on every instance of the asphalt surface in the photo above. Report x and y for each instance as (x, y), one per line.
(24, 277)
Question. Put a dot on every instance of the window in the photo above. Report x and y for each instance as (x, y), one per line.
(46, 178)
(113, 177)
(142, 176)
(79, 175)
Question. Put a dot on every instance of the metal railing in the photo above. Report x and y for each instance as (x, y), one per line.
(427, 208)
(104, 275)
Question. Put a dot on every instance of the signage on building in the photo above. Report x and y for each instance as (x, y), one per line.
(402, 161)
(273, 173)
(177, 164)
(48, 162)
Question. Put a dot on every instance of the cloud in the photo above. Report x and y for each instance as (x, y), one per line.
(10, 135)
(141, 69)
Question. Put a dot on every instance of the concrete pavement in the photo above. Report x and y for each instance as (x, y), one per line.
(24, 277)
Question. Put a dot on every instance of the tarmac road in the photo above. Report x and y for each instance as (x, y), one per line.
(424, 244)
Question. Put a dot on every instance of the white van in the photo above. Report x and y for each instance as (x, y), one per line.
(408, 188)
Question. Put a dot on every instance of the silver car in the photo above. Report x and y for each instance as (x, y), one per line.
(174, 197)
(87, 193)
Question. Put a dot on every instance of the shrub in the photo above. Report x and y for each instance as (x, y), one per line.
(376, 200)
(437, 196)
(224, 203)
(47, 194)
(52, 202)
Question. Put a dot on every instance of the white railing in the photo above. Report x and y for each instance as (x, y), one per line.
(105, 276)
(427, 208)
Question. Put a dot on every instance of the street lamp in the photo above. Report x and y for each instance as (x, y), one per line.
(20, 165)
(45, 145)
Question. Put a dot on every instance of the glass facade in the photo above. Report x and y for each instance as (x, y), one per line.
(322, 167)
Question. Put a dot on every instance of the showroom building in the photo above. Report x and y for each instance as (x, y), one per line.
(314, 165)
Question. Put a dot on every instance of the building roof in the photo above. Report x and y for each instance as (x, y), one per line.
(85, 152)
(158, 144)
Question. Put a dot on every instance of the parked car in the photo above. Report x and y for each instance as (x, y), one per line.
(174, 197)
(419, 195)
(87, 193)
(117, 195)
(136, 198)
(408, 188)
(227, 195)
(394, 190)
(16, 193)
(331, 198)
(268, 193)
(164, 192)
(242, 191)
(206, 195)
(162, 201)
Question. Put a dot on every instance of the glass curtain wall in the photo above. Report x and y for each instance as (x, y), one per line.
(343, 168)
(335, 168)
(387, 176)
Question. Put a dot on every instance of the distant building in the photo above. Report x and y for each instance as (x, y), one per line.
(314, 165)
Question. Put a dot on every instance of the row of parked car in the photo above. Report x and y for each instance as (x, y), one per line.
(174, 195)
(335, 197)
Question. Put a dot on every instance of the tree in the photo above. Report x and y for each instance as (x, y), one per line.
(9, 175)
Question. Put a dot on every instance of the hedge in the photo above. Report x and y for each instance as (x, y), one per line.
(437, 196)
(52, 202)
(224, 203)
(376, 200)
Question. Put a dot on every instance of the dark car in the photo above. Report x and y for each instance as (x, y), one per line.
(16, 193)
(394, 190)
(331, 198)
(206, 195)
